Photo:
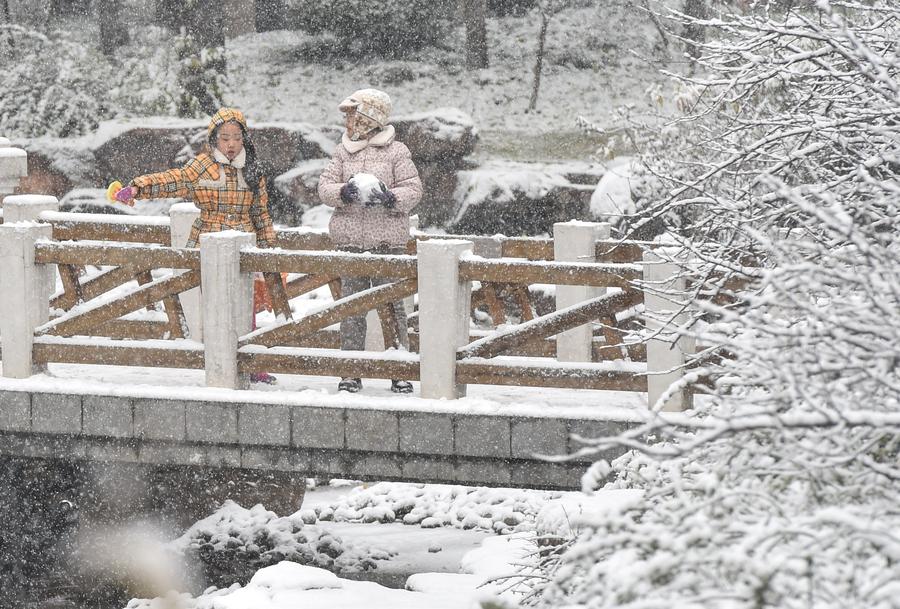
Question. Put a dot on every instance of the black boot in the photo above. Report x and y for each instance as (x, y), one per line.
(350, 385)
(401, 386)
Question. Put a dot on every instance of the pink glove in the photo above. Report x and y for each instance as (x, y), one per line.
(126, 195)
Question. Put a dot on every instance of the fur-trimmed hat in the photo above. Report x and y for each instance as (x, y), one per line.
(224, 115)
(371, 103)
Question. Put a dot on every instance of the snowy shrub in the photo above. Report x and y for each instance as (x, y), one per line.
(391, 28)
(200, 76)
(151, 58)
(50, 84)
(780, 490)
(435, 505)
(235, 542)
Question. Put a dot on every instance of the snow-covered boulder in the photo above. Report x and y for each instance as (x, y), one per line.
(234, 543)
(55, 166)
(280, 146)
(444, 134)
(517, 198)
(145, 148)
(299, 185)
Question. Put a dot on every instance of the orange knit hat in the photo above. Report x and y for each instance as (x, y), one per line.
(224, 115)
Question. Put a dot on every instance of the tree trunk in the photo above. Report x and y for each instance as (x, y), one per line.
(539, 61)
(113, 32)
(238, 17)
(694, 33)
(270, 15)
(474, 12)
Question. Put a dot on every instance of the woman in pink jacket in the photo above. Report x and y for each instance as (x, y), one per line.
(370, 215)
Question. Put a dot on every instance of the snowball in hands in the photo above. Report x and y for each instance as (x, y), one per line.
(367, 185)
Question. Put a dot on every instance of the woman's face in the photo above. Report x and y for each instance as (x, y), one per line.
(350, 121)
(230, 140)
(358, 126)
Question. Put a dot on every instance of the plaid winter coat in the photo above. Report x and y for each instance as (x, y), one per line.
(356, 225)
(219, 190)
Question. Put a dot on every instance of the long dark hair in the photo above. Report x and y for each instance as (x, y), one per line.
(253, 173)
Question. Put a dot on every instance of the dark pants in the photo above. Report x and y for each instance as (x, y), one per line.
(353, 329)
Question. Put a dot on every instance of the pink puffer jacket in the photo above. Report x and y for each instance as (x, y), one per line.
(356, 225)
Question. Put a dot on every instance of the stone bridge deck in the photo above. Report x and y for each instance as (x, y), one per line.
(493, 437)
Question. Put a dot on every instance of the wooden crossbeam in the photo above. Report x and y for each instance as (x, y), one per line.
(495, 306)
(143, 278)
(552, 324)
(133, 329)
(560, 273)
(104, 282)
(617, 251)
(306, 283)
(328, 364)
(486, 373)
(529, 248)
(71, 230)
(346, 307)
(390, 327)
(110, 254)
(72, 290)
(277, 295)
(177, 323)
(520, 293)
(295, 240)
(79, 323)
(335, 287)
(344, 264)
(115, 353)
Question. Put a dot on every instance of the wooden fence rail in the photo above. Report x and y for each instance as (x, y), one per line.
(451, 357)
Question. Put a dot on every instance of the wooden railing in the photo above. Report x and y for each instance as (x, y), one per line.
(139, 269)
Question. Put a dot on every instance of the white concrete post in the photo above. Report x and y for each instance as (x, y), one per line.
(227, 304)
(13, 167)
(24, 294)
(444, 302)
(27, 208)
(576, 241)
(181, 219)
(668, 351)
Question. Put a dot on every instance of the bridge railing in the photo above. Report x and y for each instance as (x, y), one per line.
(447, 272)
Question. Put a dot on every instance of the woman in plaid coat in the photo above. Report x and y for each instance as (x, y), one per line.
(224, 181)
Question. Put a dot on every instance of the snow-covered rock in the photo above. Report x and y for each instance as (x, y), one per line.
(436, 505)
(235, 542)
(299, 185)
(444, 134)
(517, 198)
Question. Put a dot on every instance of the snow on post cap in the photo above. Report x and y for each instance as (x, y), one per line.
(30, 200)
(9, 152)
(13, 161)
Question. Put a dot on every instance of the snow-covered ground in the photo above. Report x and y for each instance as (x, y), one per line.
(451, 568)
(598, 57)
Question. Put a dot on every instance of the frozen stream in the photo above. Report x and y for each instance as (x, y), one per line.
(418, 550)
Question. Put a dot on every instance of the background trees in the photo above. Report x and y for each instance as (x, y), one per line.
(783, 492)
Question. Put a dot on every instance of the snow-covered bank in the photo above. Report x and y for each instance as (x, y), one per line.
(450, 568)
